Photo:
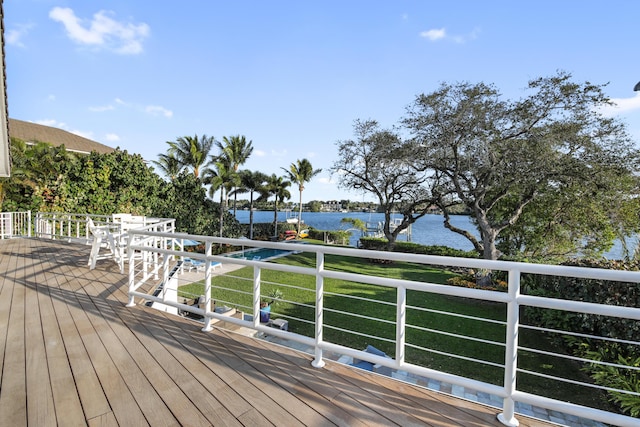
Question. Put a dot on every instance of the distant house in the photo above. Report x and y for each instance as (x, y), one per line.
(32, 133)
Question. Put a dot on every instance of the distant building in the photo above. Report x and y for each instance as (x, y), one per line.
(331, 206)
(32, 133)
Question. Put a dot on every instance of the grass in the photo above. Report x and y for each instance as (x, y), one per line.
(355, 313)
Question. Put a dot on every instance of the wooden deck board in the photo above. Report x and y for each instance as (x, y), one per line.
(71, 353)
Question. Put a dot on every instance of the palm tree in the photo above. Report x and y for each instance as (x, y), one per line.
(218, 177)
(299, 173)
(235, 150)
(252, 182)
(191, 151)
(277, 186)
(169, 165)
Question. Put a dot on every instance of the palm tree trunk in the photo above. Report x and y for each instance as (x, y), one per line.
(221, 209)
(251, 216)
(300, 213)
(275, 220)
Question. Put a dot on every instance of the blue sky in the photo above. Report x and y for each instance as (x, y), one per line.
(292, 76)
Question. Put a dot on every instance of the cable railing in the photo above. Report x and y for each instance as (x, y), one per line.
(492, 350)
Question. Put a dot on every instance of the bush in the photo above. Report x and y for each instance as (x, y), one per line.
(378, 244)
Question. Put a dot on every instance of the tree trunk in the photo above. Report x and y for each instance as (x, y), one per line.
(251, 216)
(300, 213)
(275, 221)
(222, 209)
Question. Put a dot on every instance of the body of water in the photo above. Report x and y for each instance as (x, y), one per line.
(428, 230)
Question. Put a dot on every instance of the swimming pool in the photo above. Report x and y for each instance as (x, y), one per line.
(259, 254)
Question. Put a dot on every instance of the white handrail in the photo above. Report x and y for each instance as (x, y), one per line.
(513, 299)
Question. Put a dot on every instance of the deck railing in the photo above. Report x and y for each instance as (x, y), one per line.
(154, 257)
(15, 224)
(75, 226)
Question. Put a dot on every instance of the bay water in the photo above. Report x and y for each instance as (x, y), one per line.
(428, 230)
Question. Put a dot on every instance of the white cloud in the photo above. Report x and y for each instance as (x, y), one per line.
(14, 36)
(281, 153)
(153, 110)
(441, 34)
(434, 34)
(259, 153)
(101, 108)
(111, 137)
(102, 31)
(622, 105)
(326, 180)
(156, 110)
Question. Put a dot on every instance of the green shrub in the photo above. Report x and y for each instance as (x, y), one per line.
(378, 244)
(627, 379)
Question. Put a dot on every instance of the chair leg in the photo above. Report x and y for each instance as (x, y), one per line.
(95, 248)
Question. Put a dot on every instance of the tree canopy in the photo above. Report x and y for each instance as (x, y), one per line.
(378, 161)
(499, 156)
(544, 175)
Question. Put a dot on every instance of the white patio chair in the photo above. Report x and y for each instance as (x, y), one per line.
(103, 235)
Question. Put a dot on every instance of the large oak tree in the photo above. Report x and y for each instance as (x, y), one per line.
(499, 156)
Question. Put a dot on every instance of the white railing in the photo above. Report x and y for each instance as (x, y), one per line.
(153, 256)
(75, 226)
(15, 224)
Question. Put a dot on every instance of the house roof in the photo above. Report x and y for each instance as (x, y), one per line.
(32, 132)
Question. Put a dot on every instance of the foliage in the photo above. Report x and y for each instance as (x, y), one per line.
(379, 162)
(300, 173)
(378, 244)
(234, 152)
(252, 182)
(185, 200)
(38, 177)
(109, 183)
(340, 237)
(169, 165)
(470, 281)
(618, 378)
(587, 290)
(587, 324)
(356, 223)
(498, 157)
(191, 151)
(278, 187)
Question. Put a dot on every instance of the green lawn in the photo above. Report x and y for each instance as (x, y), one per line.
(349, 329)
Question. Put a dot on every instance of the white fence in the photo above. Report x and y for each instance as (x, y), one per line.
(154, 256)
(15, 224)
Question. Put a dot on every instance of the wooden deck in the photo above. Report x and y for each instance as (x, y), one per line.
(71, 353)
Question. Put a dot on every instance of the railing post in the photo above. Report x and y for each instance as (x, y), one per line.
(132, 271)
(256, 296)
(207, 290)
(507, 417)
(401, 324)
(318, 362)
